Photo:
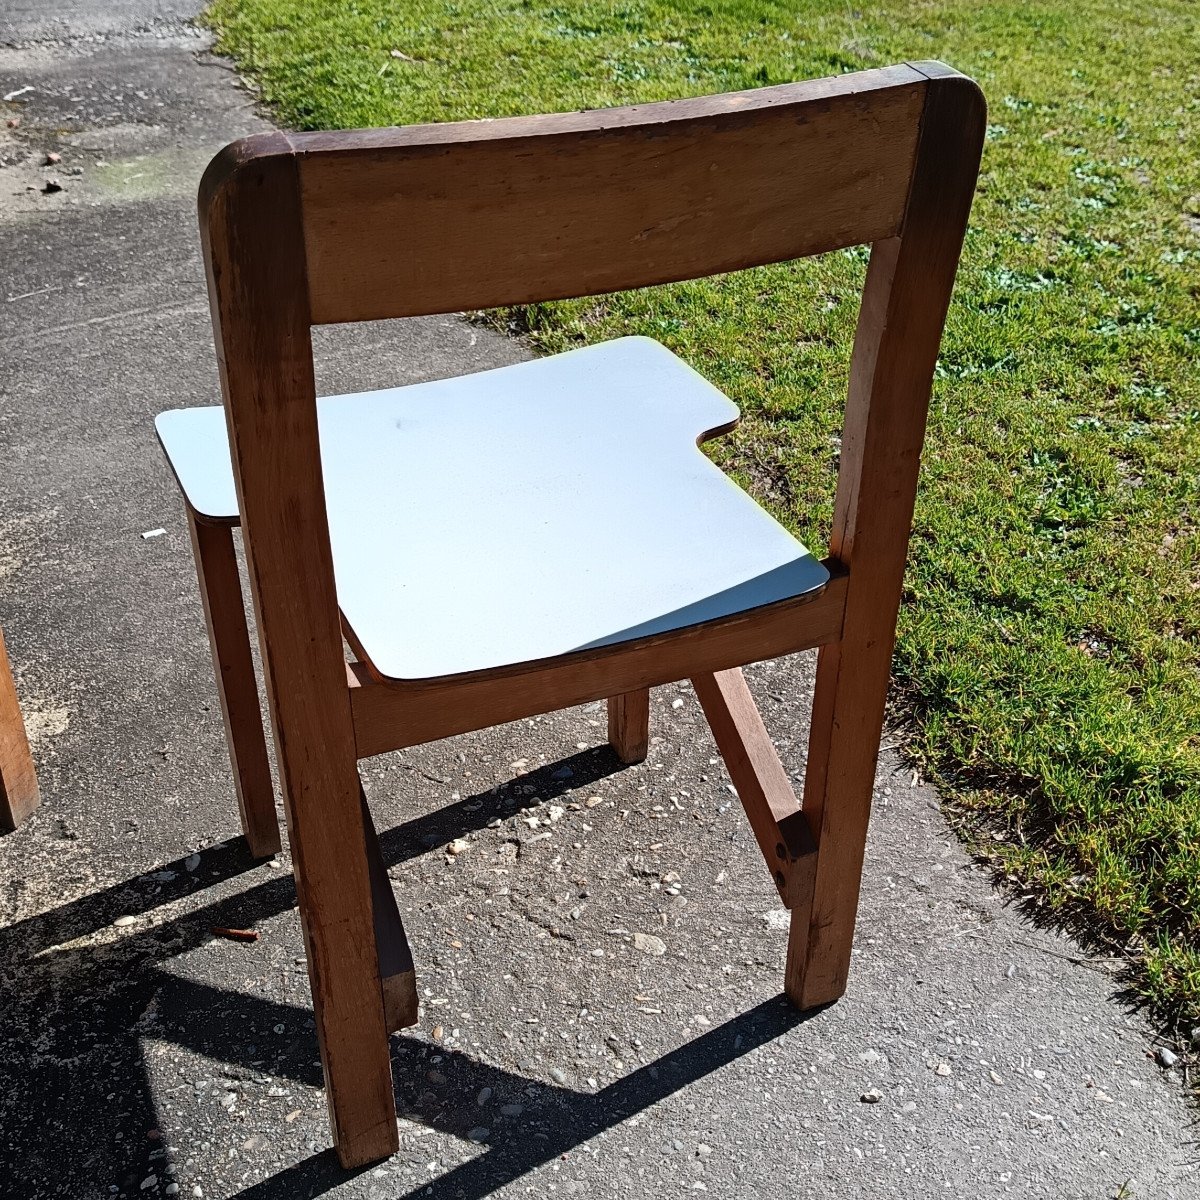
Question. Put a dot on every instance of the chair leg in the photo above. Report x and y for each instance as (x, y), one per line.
(342, 922)
(233, 665)
(18, 782)
(629, 725)
(847, 725)
(780, 826)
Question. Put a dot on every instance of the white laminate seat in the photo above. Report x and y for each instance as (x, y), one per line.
(522, 513)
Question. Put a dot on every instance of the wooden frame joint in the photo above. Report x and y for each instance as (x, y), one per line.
(780, 826)
(397, 974)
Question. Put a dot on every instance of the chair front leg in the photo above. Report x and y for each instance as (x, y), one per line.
(233, 665)
(18, 782)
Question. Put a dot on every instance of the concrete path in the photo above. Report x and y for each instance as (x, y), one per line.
(140, 1057)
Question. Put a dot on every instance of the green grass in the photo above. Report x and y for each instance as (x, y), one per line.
(1048, 648)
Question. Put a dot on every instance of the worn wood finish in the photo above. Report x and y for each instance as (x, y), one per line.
(397, 975)
(18, 780)
(253, 242)
(392, 716)
(436, 218)
(629, 725)
(233, 666)
(763, 787)
(904, 306)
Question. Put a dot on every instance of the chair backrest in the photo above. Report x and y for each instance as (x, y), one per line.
(345, 226)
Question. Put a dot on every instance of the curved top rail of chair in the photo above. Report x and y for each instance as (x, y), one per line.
(411, 220)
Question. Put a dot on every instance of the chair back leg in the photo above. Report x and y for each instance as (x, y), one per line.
(343, 922)
(847, 724)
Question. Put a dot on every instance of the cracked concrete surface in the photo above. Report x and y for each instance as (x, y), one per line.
(557, 1053)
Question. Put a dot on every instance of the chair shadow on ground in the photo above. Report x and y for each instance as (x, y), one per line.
(567, 1118)
(77, 1007)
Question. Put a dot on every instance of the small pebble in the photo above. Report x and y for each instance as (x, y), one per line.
(485, 1094)
(703, 1150)
(191, 862)
(149, 1182)
(943, 1069)
(125, 922)
(872, 1097)
(512, 1110)
(647, 943)
(53, 159)
(1166, 1057)
(557, 1075)
(458, 846)
(479, 1133)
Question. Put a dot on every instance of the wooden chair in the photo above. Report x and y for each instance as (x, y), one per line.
(408, 520)
(18, 781)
